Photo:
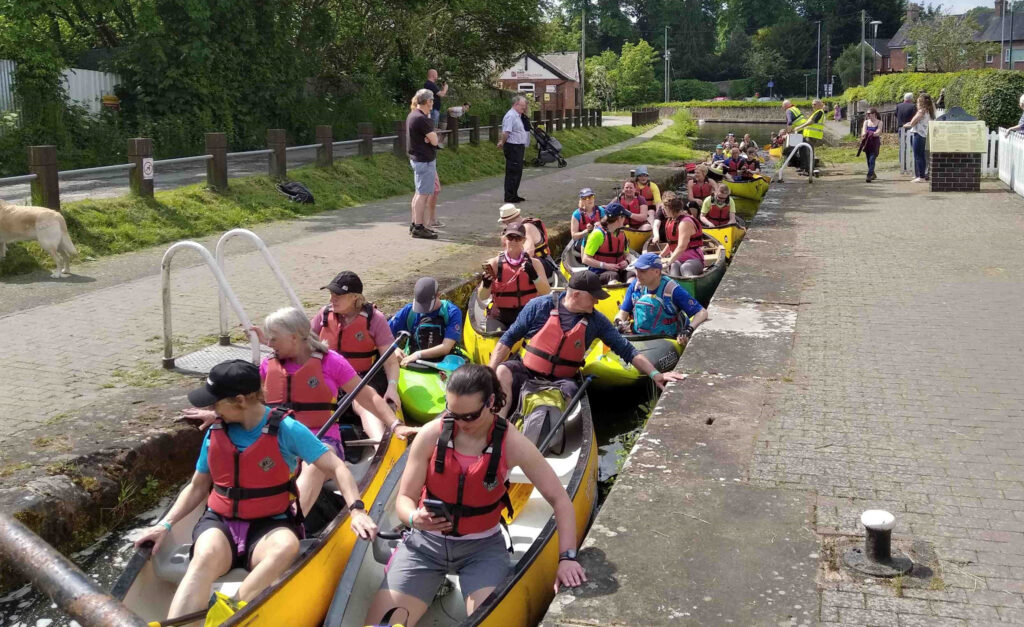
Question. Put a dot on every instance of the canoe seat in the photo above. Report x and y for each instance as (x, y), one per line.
(172, 567)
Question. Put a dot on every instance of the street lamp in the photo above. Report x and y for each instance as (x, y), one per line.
(875, 23)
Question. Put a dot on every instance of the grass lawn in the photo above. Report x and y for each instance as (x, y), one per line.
(118, 225)
(671, 145)
(847, 153)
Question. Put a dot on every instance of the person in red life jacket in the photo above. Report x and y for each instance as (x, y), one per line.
(683, 253)
(356, 329)
(605, 250)
(678, 313)
(647, 188)
(700, 186)
(640, 214)
(586, 216)
(720, 209)
(245, 474)
(734, 165)
(536, 243)
(463, 459)
(512, 279)
(661, 218)
(560, 328)
(751, 163)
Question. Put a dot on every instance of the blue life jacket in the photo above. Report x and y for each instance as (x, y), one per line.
(654, 313)
(427, 330)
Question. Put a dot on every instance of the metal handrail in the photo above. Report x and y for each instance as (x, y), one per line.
(100, 170)
(383, 138)
(276, 269)
(182, 160)
(225, 288)
(14, 180)
(250, 153)
(348, 142)
(810, 177)
(304, 147)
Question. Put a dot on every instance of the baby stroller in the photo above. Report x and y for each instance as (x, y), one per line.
(549, 149)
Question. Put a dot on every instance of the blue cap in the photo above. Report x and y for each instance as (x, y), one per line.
(585, 192)
(647, 261)
(615, 209)
(641, 170)
(719, 146)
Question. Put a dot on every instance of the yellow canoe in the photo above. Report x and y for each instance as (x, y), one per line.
(729, 235)
(616, 291)
(299, 597)
(775, 153)
(636, 238)
(611, 371)
(523, 598)
(481, 333)
(754, 189)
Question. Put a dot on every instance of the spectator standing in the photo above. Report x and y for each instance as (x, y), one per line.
(513, 142)
(918, 129)
(837, 113)
(904, 111)
(438, 93)
(422, 140)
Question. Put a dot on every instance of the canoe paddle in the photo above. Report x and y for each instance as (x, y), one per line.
(565, 414)
(450, 363)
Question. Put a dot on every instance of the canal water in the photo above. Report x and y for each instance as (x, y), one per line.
(711, 133)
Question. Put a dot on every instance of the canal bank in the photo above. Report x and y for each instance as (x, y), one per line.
(831, 380)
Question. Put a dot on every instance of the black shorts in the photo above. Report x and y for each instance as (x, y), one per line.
(257, 529)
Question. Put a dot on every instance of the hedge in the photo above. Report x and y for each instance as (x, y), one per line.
(991, 95)
(728, 104)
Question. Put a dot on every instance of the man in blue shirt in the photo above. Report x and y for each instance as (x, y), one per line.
(650, 281)
(574, 307)
(514, 140)
(434, 324)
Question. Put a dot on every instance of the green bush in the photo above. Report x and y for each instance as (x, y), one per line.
(990, 95)
(693, 89)
(742, 88)
(735, 104)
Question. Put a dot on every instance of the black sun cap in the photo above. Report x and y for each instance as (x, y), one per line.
(587, 281)
(347, 282)
(226, 379)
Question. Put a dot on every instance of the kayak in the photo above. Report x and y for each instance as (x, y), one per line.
(775, 153)
(523, 597)
(703, 286)
(754, 189)
(481, 333)
(611, 371)
(635, 238)
(571, 263)
(422, 384)
(301, 596)
(729, 235)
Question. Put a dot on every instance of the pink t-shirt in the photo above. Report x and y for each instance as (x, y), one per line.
(337, 370)
(379, 329)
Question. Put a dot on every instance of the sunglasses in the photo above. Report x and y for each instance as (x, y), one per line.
(470, 417)
(514, 238)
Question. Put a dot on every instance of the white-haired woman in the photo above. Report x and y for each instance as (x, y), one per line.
(1020, 123)
(306, 376)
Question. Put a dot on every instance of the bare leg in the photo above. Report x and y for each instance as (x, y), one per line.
(384, 600)
(372, 425)
(309, 483)
(419, 203)
(505, 380)
(474, 600)
(271, 557)
(211, 559)
(431, 212)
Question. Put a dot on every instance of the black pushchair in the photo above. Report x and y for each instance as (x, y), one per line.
(549, 149)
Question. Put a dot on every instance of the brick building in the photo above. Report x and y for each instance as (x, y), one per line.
(552, 79)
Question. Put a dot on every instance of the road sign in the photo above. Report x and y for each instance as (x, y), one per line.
(771, 83)
(147, 169)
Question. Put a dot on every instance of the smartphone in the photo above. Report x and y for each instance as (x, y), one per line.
(437, 508)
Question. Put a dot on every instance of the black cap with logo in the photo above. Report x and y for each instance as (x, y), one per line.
(347, 282)
(227, 379)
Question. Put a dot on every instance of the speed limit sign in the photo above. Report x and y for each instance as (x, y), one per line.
(147, 169)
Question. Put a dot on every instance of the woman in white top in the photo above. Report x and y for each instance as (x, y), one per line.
(918, 128)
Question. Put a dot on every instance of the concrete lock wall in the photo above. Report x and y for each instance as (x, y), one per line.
(772, 115)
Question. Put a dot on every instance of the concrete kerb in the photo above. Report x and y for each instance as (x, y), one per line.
(107, 482)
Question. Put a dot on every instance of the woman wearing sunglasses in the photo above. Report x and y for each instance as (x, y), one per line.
(513, 278)
(452, 461)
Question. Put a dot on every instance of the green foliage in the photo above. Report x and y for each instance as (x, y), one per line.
(693, 89)
(991, 95)
(117, 225)
(672, 145)
(602, 80)
(763, 63)
(848, 64)
(735, 104)
(946, 44)
(635, 74)
(743, 88)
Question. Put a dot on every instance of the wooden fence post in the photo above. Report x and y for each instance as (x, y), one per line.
(453, 132)
(600, 119)
(560, 121)
(549, 121)
(365, 130)
(278, 162)
(494, 132)
(140, 178)
(42, 161)
(401, 144)
(325, 151)
(217, 168)
(474, 130)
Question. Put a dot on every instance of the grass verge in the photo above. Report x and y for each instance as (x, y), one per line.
(671, 145)
(119, 225)
(846, 152)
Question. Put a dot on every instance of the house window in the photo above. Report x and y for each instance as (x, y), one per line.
(524, 87)
(989, 58)
(910, 60)
(1006, 55)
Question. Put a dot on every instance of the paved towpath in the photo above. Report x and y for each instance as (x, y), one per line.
(79, 341)
(864, 351)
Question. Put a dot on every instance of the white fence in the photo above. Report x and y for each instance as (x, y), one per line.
(1011, 160)
(989, 161)
(84, 87)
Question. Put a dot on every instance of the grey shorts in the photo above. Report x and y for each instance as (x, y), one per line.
(424, 175)
(421, 562)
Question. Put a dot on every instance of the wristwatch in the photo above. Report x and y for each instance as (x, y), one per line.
(568, 555)
(357, 505)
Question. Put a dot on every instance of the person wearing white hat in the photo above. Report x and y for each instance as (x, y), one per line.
(536, 244)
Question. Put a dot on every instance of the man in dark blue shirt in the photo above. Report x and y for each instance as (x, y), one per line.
(576, 305)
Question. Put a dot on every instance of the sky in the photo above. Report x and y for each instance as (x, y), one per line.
(960, 6)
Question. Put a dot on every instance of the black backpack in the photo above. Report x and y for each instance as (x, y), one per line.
(296, 192)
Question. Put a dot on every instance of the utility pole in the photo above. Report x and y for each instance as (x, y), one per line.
(583, 54)
(817, 72)
(1011, 36)
(863, 19)
(667, 67)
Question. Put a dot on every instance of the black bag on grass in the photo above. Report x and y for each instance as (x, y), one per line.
(296, 192)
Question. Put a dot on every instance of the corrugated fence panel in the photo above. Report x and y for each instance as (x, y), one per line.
(6, 85)
(87, 87)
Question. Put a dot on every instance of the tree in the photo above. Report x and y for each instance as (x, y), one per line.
(764, 62)
(946, 44)
(847, 66)
(602, 80)
(635, 74)
(684, 89)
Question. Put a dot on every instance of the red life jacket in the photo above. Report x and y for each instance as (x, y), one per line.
(476, 497)
(718, 214)
(646, 192)
(254, 483)
(541, 249)
(305, 392)
(587, 219)
(697, 239)
(512, 288)
(752, 164)
(613, 248)
(354, 342)
(553, 352)
(671, 234)
(634, 208)
(701, 190)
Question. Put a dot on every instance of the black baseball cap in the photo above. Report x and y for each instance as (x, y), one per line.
(347, 282)
(226, 379)
(587, 281)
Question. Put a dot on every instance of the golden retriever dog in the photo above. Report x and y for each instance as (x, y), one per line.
(20, 223)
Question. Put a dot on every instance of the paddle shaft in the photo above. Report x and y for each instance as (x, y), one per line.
(565, 414)
(181, 620)
(351, 396)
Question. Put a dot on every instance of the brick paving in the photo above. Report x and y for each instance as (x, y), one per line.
(906, 393)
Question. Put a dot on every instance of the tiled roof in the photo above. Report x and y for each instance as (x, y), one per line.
(565, 62)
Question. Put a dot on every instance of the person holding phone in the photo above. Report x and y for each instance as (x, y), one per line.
(513, 278)
(444, 498)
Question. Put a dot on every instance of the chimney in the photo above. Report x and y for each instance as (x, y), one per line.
(1000, 8)
(913, 12)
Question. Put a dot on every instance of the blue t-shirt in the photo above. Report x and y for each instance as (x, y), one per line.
(681, 299)
(296, 441)
(453, 330)
(715, 158)
(536, 313)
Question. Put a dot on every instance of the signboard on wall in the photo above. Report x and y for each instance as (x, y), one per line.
(547, 97)
(551, 89)
(946, 136)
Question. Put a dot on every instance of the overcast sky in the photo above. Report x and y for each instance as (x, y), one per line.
(959, 6)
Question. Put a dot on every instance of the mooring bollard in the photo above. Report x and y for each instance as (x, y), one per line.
(877, 558)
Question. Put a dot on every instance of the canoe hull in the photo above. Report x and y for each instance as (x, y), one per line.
(754, 189)
(636, 239)
(730, 236)
(612, 372)
(616, 291)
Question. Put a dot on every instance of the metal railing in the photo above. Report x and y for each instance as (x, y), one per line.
(809, 149)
